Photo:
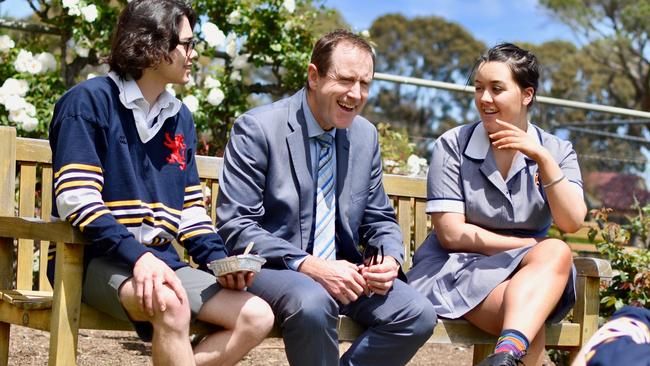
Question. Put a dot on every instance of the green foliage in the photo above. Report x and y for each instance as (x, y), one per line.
(395, 147)
(398, 153)
(266, 49)
(424, 47)
(613, 65)
(631, 266)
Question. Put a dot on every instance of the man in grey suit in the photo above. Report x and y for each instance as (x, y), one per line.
(302, 179)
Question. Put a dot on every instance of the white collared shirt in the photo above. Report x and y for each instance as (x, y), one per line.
(148, 119)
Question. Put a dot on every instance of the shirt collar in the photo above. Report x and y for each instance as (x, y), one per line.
(479, 142)
(131, 97)
(313, 128)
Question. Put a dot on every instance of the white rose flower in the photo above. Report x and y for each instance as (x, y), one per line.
(240, 61)
(6, 43)
(18, 116)
(235, 76)
(13, 86)
(29, 109)
(34, 66)
(89, 13)
(191, 82)
(29, 124)
(290, 5)
(170, 89)
(75, 11)
(70, 3)
(73, 7)
(210, 82)
(415, 164)
(390, 163)
(47, 60)
(213, 35)
(14, 102)
(215, 97)
(22, 59)
(191, 102)
(81, 51)
(231, 45)
(234, 17)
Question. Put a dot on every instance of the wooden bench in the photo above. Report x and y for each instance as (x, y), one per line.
(28, 298)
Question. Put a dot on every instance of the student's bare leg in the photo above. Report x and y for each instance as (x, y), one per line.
(525, 301)
(170, 344)
(246, 320)
(537, 286)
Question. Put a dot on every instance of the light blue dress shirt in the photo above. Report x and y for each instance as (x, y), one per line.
(313, 131)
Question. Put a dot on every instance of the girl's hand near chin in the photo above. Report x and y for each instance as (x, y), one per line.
(512, 137)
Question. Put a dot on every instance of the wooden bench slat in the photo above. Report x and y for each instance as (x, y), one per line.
(404, 221)
(593, 267)
(46, 211)
(209, 166)
(399, 185)
(33, 150)
(28, 299)
(37, 229)
(27, 191)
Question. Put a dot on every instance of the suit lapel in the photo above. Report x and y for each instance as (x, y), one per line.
(342, 165)
(298, 145)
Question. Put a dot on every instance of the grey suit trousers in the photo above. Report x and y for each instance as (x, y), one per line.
(397, 324)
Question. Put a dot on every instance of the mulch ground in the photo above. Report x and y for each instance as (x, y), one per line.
(30, 347)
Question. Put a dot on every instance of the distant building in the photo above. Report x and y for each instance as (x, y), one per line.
(615, 190)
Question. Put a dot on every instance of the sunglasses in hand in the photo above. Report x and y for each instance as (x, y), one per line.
(373, 255)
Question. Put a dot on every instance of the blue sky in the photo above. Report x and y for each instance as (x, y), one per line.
(491, 21)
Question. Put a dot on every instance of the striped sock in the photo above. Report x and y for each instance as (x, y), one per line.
(512, 341)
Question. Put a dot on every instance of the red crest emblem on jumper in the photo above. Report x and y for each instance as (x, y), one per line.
(177, 146)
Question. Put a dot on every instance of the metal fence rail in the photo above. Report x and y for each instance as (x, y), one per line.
(539, 98)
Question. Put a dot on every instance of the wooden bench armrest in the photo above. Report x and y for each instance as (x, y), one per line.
(37, 229)
(593, 267)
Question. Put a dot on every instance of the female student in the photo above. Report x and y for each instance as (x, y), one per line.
(494, 187)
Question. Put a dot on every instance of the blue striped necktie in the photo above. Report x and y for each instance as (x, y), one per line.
(324, 244)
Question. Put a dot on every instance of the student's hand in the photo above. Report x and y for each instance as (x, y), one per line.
(151, 275)
(236, 281)
(340, 278)
(512, 137)
(380, 277)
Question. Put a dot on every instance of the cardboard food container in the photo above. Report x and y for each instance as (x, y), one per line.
(242, 262)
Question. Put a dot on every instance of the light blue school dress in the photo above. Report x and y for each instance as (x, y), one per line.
(463, 178)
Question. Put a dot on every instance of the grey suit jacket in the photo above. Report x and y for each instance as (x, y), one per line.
(266, 192)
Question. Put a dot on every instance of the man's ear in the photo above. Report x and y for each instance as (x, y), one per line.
(528, 94)
(312, 76)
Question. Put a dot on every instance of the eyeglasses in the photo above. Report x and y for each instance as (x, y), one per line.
(189, 45)
(371, 255)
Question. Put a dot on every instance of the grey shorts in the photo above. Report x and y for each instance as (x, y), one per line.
(104, 277)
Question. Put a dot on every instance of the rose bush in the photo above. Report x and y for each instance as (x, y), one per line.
(251, 51)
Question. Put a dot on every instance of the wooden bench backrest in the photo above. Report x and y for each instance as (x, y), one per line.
(31, 179)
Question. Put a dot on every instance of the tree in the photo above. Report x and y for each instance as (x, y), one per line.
(424, 47)
(246, 47)
(614, 66)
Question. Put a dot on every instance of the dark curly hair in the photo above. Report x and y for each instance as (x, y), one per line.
(522, 63)
(147, 30)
